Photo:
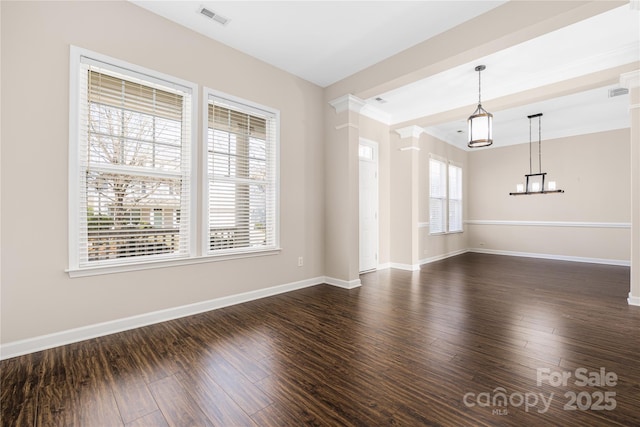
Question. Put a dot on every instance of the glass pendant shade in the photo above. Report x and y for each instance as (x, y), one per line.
(480, 122)
(480, 128)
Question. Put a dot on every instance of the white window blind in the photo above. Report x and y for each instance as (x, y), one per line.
(455, 198)
(437, 196)
(242, 177)
(134, 166)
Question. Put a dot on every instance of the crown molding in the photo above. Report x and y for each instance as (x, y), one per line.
(630, 80)
(347, 102)
(412, 131)
(357, 105)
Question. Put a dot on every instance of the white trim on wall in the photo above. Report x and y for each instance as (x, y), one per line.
(360, 106)
(412, 131)
(551, 223)
(416, 267)
(620, 262)
(31, 345)
(346, 284)
(347, 102)
(80, 57)
(43, 342)
(347, 125)
(405, 267)
(442, 256)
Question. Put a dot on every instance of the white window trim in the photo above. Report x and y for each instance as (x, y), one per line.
(457, 165)
(198, 254)
(107, 62)
(148, 265)
(448, 163)
(444, 199)
(244, 253)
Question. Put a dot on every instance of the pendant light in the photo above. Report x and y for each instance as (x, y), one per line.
(535, 182)
(480, 122)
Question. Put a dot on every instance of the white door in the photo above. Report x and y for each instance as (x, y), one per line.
(368, 151)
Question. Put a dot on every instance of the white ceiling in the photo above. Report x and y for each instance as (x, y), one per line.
(321, 41)
(595, 44)
(326, 41)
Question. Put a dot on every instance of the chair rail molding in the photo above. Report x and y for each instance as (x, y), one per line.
(582, 224)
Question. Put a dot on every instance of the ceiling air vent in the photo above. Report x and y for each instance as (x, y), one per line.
(618, 91)
(214, 16)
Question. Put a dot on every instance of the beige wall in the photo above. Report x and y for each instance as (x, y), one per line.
(38, 297)
(594, 212)
(411, 243)
(436, 246)
(319, 203)
(404, 203)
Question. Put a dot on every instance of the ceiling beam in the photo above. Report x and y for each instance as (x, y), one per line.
(510, 24)
(555, 90)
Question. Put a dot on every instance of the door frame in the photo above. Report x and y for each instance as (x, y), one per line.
(375, 160)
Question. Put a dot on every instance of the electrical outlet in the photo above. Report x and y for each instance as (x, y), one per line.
(300, 261)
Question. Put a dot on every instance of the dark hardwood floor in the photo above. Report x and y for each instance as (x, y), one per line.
(448, 345)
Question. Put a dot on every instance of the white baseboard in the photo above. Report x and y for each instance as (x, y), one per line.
(351, 284)
(416, 267)
(31, 345)
(442, 256)
(620, 262)
(406, 267)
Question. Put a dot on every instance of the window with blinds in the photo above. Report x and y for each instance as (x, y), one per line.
(241, 176)
(134, 166)
(445, 196)
(437, 196)
(455, 198)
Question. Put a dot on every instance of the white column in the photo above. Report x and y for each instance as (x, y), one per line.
(632, 82)
(405, 185)
(341, 192)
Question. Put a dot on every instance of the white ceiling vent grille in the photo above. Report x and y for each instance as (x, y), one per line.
(618, 91)
(214, 16)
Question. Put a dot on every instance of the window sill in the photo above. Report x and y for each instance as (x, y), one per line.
(149, 265)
